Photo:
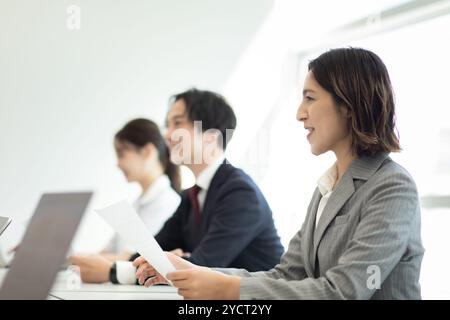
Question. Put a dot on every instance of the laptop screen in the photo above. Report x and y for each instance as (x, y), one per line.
(4, 223)
(45, 243)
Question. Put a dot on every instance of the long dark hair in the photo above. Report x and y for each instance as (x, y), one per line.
(359, 81)
(140, 132)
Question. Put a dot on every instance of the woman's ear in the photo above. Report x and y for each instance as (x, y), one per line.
(149, 150)
(345, 111)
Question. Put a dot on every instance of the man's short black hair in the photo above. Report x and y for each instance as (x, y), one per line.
(211, 109)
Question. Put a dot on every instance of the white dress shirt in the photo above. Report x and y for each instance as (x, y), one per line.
(325, 185)
(205, 177)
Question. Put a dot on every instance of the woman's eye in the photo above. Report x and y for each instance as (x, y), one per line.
(308, 98)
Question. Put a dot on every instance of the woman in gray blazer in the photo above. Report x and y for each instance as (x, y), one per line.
(361, 236)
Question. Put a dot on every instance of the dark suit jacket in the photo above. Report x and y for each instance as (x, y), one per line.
(236, 229)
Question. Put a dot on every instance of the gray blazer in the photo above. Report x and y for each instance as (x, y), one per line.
(367, 243)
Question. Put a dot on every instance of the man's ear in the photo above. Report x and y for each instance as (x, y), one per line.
(212, 136)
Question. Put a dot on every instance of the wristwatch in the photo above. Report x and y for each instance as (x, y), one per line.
(113, 274)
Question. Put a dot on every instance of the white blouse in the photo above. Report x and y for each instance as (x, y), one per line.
(154, 207)
(325, 185)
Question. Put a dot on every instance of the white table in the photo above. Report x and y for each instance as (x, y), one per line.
(68, 287)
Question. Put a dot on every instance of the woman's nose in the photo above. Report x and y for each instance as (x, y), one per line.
(301, 113)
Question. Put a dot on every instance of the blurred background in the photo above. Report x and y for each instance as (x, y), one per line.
(73, 72)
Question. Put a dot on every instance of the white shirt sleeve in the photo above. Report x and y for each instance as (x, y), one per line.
(125, 272)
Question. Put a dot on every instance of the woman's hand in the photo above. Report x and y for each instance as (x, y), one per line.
(206, 284)
(93, 268)
(148, 276)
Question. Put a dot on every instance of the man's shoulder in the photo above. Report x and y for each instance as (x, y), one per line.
(229, 174)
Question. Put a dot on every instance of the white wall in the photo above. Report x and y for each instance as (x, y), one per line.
(64, 93)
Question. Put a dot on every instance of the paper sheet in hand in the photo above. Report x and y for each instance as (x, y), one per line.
(125, 221)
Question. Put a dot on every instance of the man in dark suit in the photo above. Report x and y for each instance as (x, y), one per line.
(223, 220)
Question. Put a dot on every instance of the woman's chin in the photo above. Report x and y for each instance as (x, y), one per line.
(316, 151)
(129, 179)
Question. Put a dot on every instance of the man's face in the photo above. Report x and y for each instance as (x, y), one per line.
(187, 141)
(180, 134)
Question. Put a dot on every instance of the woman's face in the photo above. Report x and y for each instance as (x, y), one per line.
(325, 121)
(130, 160)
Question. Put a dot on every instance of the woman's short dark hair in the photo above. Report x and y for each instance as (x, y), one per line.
(140, 132)
(359, 81)
(211, 109)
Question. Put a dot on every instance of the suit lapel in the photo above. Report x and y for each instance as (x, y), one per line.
(308, 236)
(217, 180)
(338, 198)
(362, 169)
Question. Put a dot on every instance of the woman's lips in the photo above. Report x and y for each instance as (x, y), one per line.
(310, 132)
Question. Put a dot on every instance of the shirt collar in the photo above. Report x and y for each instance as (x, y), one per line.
(156, 187)
(205, 177)
(327, 180)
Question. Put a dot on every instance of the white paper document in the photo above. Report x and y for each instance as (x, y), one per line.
(126, 222)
